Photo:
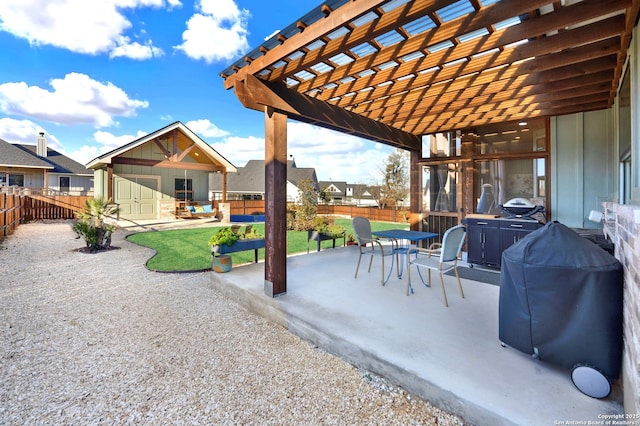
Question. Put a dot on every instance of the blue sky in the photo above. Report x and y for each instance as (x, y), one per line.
(94, 75)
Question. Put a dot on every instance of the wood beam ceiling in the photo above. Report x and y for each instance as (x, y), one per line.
(445, 68)
(257, 94)
(168, 164)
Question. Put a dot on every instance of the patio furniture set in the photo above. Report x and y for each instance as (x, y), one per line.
(554, 311)
(440, 257)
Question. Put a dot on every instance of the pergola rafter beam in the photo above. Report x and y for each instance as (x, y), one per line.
(488, 93)
(258, 94)
(531, 101)
(526, 30)
(348, 12)
(600, 40)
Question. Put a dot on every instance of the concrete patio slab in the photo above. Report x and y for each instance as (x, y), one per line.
(448, 356)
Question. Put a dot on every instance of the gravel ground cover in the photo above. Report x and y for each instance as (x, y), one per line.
(98, 339)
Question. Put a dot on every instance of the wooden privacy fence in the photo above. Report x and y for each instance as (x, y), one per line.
(437, 222)
(248, 207)
(42, 207)
(16, 209)
(372, 213)
(10, 214)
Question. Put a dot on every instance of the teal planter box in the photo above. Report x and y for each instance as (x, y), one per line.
(240, 245)
(317, 237)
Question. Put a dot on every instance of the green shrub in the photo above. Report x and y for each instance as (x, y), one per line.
(89, 223)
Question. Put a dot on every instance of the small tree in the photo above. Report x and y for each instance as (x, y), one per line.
(376, 193)
(90, 224)
(307, 208)
(395, 178)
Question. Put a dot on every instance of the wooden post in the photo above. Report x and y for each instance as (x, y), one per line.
(414, 191)
(275, 271)
(110, 182)
(224, 186)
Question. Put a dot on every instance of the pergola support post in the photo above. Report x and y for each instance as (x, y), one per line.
(110, 182)
(414, 191)
(224, 186)
(275, 271)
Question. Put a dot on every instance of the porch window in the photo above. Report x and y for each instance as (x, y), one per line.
(184, 189)
(624, 138)
(503, 180)
(440, 188)
(16, 180)
(64, 183)
(509, 138)
(511, 159)
(447, 144)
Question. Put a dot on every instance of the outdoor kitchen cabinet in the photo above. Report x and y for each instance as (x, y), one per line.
(488, 238)
(511, 231)
(483, 241)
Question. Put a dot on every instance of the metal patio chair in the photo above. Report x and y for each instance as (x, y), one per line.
(441, 258)
(368, 245)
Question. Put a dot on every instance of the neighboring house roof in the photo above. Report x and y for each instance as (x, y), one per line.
(360, 191)
(61, 163)
(13, 156)
(250, 178)
(334, 188)
(213, 155)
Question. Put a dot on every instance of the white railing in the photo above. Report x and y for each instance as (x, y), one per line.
(22, 190)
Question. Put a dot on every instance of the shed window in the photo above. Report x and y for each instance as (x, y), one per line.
(184, 189)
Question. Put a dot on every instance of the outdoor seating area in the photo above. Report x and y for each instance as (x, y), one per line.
(373, 247)
(200, 211)
(439, 258)
(449, 356)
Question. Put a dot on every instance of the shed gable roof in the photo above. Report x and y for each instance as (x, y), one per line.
(180, 141)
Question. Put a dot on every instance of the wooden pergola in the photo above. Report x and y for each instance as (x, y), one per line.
(392, 71)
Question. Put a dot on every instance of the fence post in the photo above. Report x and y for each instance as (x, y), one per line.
(3, 216)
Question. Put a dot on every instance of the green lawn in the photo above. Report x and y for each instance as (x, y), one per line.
(187, 249)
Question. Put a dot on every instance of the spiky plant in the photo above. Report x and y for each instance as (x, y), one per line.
(90, 224)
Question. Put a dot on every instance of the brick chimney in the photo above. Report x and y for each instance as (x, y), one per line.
(41, 147)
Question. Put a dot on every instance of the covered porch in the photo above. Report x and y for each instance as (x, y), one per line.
(398, 72)
(161, 174)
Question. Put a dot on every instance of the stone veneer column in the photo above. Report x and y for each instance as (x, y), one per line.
(622, 226)
(224, 212)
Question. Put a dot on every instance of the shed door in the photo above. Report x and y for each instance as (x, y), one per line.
(137, 196)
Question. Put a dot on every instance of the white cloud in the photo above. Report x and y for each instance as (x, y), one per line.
(75, 99)
(25, 132)
(109, 141)
(136, 51)
(272, 35)
(334, 155)
(239, 150)
(105, 142)
(81, 26)
(206, 128)
(218, 32)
